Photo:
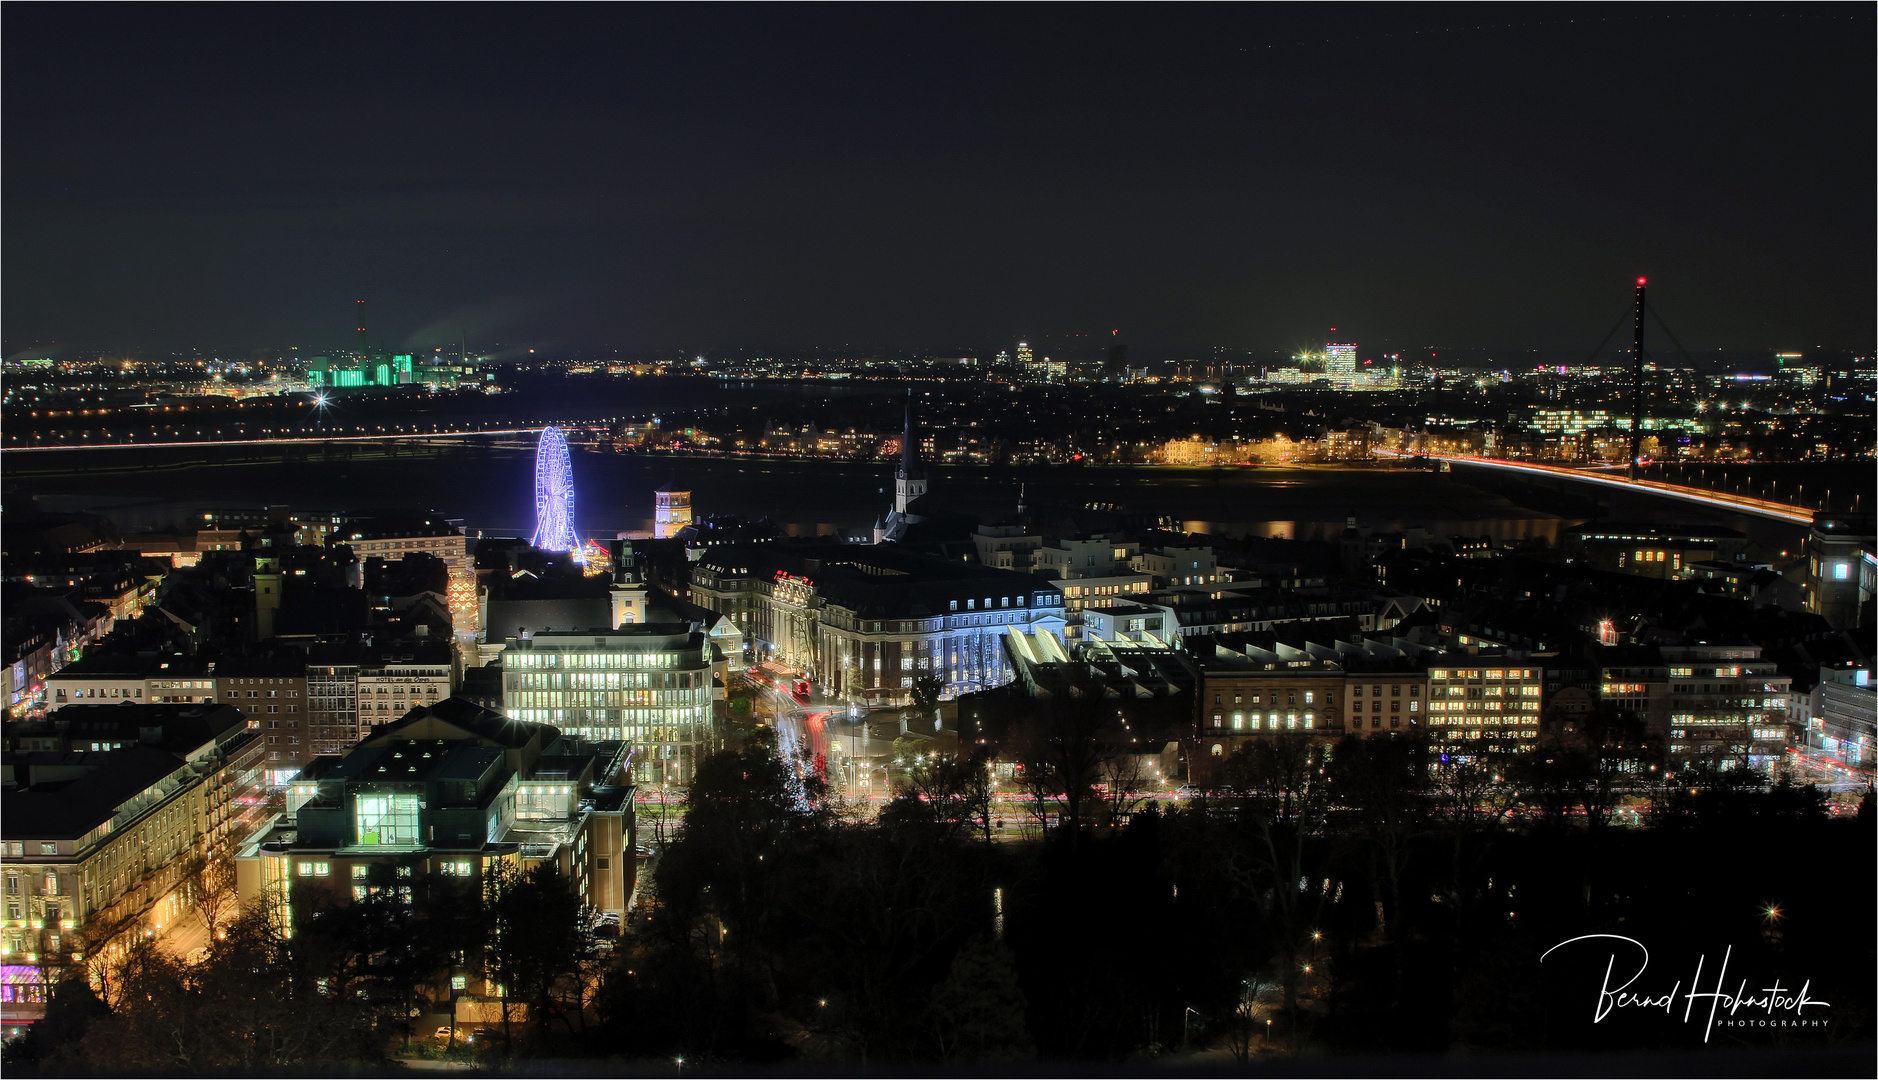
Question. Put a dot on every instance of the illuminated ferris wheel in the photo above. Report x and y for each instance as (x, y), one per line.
(554, 495)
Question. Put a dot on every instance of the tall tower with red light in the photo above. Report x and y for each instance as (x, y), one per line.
(1636, 388)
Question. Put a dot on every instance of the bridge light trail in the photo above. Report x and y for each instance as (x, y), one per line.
(430, 437)
(1740, 503)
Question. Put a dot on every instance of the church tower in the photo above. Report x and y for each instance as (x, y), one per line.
(909, 483)
(909, 480)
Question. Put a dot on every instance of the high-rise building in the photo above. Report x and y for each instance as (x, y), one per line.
(1024, 357)
(1340, 363)
(671, 511)
(332, 688)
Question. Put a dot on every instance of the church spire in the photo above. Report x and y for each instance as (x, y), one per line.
(910, 467)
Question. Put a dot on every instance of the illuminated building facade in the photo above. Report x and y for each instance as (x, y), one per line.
(332, 686)
(361, 369)
(97, 845)
(1667, 552)
(1728, 707)
(1841, 568)
(1479, 709)
(554, 494)
(393, 538)
(671, 511)
(1340, 363)
(393, 684)
(867, 621)
(649, 686)
(425, 807)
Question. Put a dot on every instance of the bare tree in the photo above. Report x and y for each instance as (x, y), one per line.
(1062, 749)
(1281, 784)
(1245, 1023)
(1122, 773)
(210, 884)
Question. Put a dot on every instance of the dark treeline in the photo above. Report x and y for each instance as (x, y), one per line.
(1354, 899)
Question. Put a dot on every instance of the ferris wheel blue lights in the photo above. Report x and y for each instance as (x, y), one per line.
(554, 495)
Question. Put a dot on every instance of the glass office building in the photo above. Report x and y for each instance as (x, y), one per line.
(648, 685)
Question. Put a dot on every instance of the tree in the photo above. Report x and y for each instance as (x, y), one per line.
(210, 882)
(1556, 776)
(1244, 1025)
(1620, 747)
(259, 1003)
(1384, 784)
(945, 791)
(977, 1012)
(926, 691)
(1122, 775)
(537, 943)
(1062, 747)
(1281, 784)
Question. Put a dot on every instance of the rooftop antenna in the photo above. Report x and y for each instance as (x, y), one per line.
(1636, 389)
(361, 310)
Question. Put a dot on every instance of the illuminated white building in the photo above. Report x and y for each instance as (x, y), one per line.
(1340, 364)
(648, 685)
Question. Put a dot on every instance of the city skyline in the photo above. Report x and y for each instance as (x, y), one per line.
(643, 180)
(1379, 493)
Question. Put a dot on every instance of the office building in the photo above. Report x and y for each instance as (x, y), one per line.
(430, 803)
(649, 686)
(1841, 574)
(1728, 707)
(1479, 705)
(1842, 713)
(1340, 364)
(272, 693)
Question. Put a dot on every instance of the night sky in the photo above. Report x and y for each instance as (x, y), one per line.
(716, 178)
